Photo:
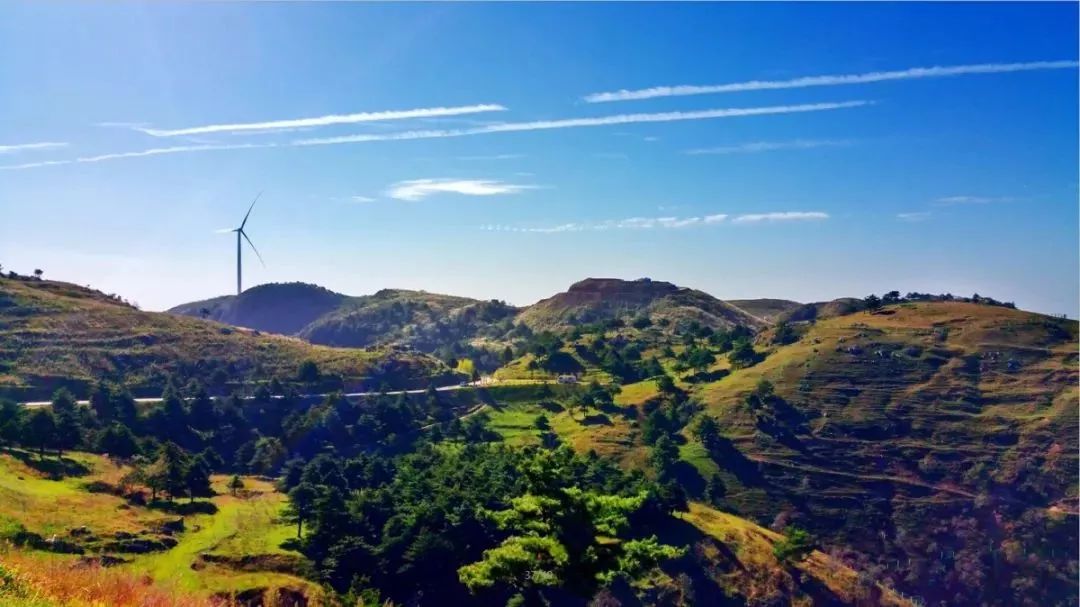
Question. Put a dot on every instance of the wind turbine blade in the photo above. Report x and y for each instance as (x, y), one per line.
(224, 230)
(243, 223)
(253, 248)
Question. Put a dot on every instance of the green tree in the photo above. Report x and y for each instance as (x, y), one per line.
(169, 471)
(743, 354)
(68, 431)
(308, 372)
(794, 546)
(664, 456)
(541, 422)
(302, 502)
(41, 430)
(268, 456)
(715, 489)
(124, 409)
(707, 431)
(236, 484)
(11, 421)
(117, 441)
(872, 302)
(666, 385)
(197, 478)
(101, 402)
(764, 389)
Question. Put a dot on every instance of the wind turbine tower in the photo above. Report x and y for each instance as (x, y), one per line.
(240, 233)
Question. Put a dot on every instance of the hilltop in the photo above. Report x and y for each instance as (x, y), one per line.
(276, 308)
(600, 299)
(55, 334)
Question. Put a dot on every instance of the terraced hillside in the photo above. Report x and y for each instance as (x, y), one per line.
(939, 437)
(56, 334)
(932, 444)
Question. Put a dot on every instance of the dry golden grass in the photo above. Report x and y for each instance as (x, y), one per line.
(45, 581)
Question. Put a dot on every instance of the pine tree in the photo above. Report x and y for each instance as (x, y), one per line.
(41, 430)
(101, 401)
(170, 469)
(197, 478)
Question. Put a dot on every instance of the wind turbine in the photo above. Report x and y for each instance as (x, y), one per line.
(241, 233)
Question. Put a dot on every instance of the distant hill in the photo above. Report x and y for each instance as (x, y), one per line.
(769, 310)
(54, 334)
(424, 321)
(822, 310)
(598, 299)
(415, 319)
(284, 308)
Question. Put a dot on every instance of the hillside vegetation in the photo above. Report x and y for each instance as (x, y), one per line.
(79, 514)
(931, 435)
(637, 444)
(56, 334)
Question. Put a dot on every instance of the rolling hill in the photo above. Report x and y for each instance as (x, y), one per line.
(429, 322)
(55, 334)
(935, 441)
(414, 319)
(599, 299)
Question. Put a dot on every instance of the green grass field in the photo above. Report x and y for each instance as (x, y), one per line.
(248, 526)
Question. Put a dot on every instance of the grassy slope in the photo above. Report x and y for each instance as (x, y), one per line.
(893, 415)
(54, 334)
(248, 525)
(895, 411)
(744, 565)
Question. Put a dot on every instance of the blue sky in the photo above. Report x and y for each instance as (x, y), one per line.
(486, 149)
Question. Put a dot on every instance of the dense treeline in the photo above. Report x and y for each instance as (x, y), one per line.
(474, 523)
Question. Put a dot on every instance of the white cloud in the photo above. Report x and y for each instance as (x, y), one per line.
(512, 127)
(15, 148)
(493, 157)
(505, 127)
(951, 200)
(768, 146)
(298, 123)
(914, 216)
(649, 223)
(834, 80)
(418, 189)
(786, 216)
(361, 199)
(141, 153)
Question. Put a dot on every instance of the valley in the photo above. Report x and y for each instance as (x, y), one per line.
(907, 450)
